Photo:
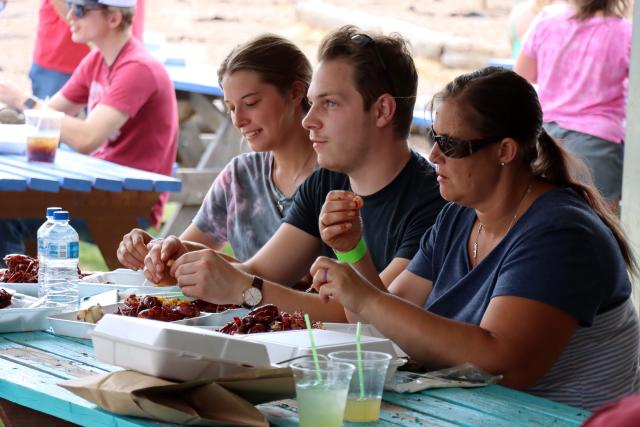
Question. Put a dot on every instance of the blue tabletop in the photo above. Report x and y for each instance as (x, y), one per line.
(78, 172)
(32, 363)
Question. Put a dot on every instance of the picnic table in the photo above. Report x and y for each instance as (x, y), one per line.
(32, 363)
(108, 196)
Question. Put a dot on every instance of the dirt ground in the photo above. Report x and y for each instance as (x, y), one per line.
(206, 30)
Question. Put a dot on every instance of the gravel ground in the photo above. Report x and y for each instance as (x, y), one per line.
(206, 30)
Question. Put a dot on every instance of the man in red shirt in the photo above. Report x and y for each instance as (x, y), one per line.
(55, 55)
(132, 115)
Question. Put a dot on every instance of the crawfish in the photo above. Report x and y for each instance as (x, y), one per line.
(20, 269)
(5, 298)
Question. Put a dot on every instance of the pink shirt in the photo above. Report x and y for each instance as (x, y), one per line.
(583, 70)
(54, 48)
(137, 85)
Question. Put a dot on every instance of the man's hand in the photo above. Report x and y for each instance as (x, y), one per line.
(339, 221)
(206, 275)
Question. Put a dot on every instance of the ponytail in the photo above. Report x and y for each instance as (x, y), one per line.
(555, 164)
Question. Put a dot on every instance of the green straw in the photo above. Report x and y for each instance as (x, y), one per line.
(359, 359)
(314, 352)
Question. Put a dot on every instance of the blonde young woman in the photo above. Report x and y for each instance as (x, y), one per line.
(265, 82)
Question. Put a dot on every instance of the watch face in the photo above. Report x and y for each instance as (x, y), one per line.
(252, 296)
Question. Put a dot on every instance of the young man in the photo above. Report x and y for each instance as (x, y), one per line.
(132, 117)
(55, 55)
(362, 93)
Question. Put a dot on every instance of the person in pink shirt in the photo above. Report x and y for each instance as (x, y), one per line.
(579, 55)
(132, 114)
(55, 55)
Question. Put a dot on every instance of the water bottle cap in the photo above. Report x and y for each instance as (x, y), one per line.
(61, 215)
(50, 211)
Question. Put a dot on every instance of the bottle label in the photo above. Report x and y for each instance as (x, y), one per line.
(68, 251)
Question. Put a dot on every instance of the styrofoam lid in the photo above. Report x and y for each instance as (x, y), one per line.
(212, 344)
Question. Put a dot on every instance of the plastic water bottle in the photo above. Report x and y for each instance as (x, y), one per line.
(61, 262)
(44, 228)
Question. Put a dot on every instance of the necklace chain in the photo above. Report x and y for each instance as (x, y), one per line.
(280, 200)
(474, 253)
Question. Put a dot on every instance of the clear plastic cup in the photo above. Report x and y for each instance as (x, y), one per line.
(43, 133)
(364, 406)
(321, 398)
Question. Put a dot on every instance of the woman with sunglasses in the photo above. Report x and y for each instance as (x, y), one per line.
(265, 82)
(524, 273)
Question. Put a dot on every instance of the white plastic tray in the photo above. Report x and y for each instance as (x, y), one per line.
(18, 318)
(67, 324)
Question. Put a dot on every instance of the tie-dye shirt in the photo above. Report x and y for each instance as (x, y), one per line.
(583, 70)
(243, 205)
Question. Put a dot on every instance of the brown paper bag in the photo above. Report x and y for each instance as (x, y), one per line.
(202, 402)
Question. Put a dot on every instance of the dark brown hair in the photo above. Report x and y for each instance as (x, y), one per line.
(499, 103)
(585, 9)
(276, 60)
(400, 78)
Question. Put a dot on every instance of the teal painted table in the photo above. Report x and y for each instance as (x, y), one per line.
(32, 363)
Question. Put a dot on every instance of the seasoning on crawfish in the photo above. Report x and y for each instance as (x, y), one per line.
(266, 318)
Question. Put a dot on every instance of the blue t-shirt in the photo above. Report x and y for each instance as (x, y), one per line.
(559, 253)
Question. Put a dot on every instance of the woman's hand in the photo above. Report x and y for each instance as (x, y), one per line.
(339, 221)
(162, 251)
(206, 275)
(337, 280)
(133, 248)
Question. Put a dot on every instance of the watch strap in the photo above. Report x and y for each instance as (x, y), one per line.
(257, 282)
(30, 102)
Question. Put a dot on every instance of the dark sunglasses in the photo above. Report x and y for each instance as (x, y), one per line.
(458, 148)
(80, 10)
(364, 40)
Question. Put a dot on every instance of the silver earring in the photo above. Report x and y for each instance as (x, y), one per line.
(501, 163)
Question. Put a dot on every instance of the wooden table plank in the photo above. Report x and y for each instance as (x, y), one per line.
(66, 347)
(38, 390)
(284, 414)
(512, 404)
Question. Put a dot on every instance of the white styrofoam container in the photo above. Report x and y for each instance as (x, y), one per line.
(124, 278)
(67, 324)
(87, 289)
(184, 353)
(18, 317)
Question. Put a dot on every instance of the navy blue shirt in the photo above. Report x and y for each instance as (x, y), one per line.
(559, 253)
(394, 218)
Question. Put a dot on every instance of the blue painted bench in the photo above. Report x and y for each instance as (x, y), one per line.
(507, 63)
(32, 363)
(108, 196)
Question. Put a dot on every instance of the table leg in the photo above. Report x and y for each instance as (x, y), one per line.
(14, 415)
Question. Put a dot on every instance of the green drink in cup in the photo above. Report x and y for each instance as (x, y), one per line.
(367, 383)
(321, 391)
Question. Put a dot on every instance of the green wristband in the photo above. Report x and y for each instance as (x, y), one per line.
(354, 255)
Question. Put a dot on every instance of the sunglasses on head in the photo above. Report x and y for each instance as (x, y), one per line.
(458, 148)
(364, 40)
(80, 10)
